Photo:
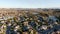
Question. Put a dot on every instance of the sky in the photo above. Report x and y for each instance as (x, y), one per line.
(29, 3)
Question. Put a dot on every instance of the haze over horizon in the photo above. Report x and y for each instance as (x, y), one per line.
(29, 3)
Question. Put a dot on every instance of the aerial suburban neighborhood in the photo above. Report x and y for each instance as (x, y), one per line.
(29, 21)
